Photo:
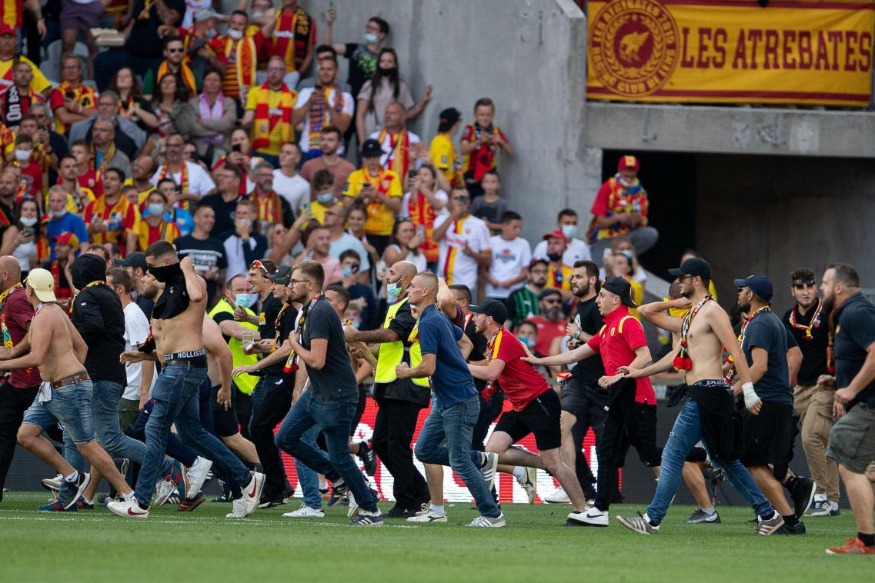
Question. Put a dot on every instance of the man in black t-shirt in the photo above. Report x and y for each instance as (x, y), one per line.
(812, 402)
(206, 252)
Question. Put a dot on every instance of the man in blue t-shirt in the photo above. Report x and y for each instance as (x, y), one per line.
(768, 435)
(456, 404)
(852, 439)
(63, 221)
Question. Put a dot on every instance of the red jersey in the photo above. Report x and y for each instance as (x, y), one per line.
(519, 380)
(15, 316)
(547, 332)
(616, 343)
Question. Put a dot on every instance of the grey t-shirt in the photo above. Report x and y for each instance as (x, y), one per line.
(335, 379)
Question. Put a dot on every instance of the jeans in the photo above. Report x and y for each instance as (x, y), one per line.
(687, 431)
(71, 406)
(456, 425)
(332, 416)
(13, 403)
(176, 394)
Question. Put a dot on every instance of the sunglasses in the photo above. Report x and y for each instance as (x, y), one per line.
(798, 284)
(553, 301)
(258, 265)
(175, 50)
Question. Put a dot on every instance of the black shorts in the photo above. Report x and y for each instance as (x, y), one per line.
(578, 398)
(767, 436)
(540, 417)
(224, 422)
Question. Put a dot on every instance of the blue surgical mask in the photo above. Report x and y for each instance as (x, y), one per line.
(156, 210)
(369, 38)
(245, 300)
(527, 341)
(570, 231)
(347, 272)
(210, 33)
(325, 198)
(394, 289)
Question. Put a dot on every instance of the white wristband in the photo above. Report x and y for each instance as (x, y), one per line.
(750, 395)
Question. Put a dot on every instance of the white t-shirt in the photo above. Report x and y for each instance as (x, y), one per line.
(463, 269)
(192, 7)
(389, 153)
(439, 194)
(346, 242)
(295, 190)
(577, 251)
(508, 259)
(199, 181)
(136, 332)
(303, 96)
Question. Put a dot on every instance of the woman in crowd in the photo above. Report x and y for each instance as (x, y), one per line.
(405, 246)
(215, 117)
(131, 104)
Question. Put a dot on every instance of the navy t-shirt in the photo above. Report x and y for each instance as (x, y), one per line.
(335, 379)
(767, 332)
(452, 381)
(854, 333)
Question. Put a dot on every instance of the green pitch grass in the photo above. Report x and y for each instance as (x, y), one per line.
(535, 547)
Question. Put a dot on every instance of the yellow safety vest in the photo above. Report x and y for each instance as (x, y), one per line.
(245, 382)
(391, 353)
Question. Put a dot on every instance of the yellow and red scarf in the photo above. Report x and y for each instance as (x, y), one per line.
(270, 209)
(421, 212)
(245, 62)
(291, 33)
(184, 71)
(318, 117)
(398, 159)
(267, 119)
(104, 164)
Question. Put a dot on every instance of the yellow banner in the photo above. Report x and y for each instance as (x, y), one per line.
(816, 52)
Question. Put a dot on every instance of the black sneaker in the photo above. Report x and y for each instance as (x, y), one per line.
(271, 500)
(798, 528)
(400, 512)
(369, 460)
(802, 494)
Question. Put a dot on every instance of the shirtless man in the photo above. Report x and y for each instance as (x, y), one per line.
(177, 328)
(707, 411)
(56, 348)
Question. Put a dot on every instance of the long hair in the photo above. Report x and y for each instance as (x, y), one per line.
(393, 78)
(136, 88)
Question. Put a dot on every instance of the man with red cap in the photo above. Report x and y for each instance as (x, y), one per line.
(621, 208)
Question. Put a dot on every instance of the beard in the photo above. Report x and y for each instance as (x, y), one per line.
(829, 303)
(553, 314)
(582, 291)
(744, 306)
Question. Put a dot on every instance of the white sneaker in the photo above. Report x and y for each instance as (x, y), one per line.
(590, 517)
(197, 475)
(238, 508)
(353, 507)
(557, 496)
(489, 468)
(129, 508)
(306, 512)
(164, 489)
(488, 521)
(529, 483)
(252, 492)
(427, 517)
(53, 484)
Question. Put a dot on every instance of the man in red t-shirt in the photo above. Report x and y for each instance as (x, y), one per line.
(551, 322)
(19, 388)
(632, 403)
(536, 407)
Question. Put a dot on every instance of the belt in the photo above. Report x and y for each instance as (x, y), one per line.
(185, 355)
(196, 362)
(71, 380)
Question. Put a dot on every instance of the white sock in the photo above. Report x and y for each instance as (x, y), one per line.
(72, 477)
(519, 472)
(437, 508)
(709, 511)
(129, 496)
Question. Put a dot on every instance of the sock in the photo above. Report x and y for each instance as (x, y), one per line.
(774, 514)
(791, 520)
(519, 472)
(709, 511)
(647, 518)
(437, 508)
(72, 477)
(868, 539)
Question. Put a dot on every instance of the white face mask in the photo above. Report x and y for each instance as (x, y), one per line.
(235, 34)
(27, 221)
(369, 38)
(245, 300)
(156, 210)
(22, 155)
(570, 231)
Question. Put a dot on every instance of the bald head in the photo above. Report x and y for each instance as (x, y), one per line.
(405, 268)
(10, 272)
(428, 282)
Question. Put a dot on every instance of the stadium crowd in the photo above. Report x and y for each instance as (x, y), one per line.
(216, 233)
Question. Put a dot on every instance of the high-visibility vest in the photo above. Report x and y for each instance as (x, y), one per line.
(392, 353)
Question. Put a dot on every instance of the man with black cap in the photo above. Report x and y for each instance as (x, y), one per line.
(768, 432)
(536, 407)
(442, 150)
(135, 265)
(706, 414)
(379, 190)
(631, 416)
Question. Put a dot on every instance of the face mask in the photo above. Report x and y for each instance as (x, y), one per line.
(527, 341)
(394, 289)
(59, 214)
(156, 210)
(210, 33)
(27, 221)
(554, 256)
(257, 14)
(166, 273)
(387, 70)
(245, 300)
(235, 34)
(245, 222)
(570, 231)
(325, 198)
(22, 155)
(369, 38)
(347, 272)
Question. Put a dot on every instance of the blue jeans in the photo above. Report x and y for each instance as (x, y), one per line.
(262, 388)
(104, 409)
(177, 399)
(687, 431)
(71, 406)
(456, 425)
(333, 418)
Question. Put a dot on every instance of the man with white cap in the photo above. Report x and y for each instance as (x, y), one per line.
(55, 347)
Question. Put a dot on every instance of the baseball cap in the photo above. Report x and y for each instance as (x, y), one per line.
(205, 14)
(42, 282)
(282, 276)
(693, 266)
(450, 116)
(620, 287)
(134, 260)
(6, 29)
(491, 307)
(558, 234)
(67, 238)
(761, 285)
(628, 163)
(371, 149)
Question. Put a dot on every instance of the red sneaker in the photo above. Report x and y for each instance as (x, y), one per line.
(853, 546)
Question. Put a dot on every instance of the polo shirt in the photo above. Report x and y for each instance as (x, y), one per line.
(616, 342)
(519, 380)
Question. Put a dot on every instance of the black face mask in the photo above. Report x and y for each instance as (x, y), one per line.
(388, 71)
(554, 256)
(166, 273)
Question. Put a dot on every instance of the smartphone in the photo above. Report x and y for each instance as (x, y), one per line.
(29, 231)
(411, 174)
(420, 230)
(70, 95)
(236, 148)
